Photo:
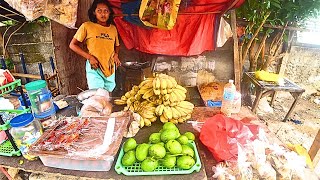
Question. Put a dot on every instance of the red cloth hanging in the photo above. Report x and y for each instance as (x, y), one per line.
(192, 35)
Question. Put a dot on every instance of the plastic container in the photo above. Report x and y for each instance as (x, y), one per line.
(135, 169)
(78, 164)
(25, 130)
(229, 92)
(40, 98)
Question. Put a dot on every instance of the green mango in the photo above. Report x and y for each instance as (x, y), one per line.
(154, 138)
(130, 144)
(169, 125)
(190, 136)
(128, 158)
(169, 161)
(149, 164)
(169, 134)
(183, 139)
(157, 151)
(187, 150)
(142, 151)
(174, 147)
(185, 162)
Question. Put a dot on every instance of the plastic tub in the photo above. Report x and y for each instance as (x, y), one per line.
(75, 164)
(25, 130)
(40, 98)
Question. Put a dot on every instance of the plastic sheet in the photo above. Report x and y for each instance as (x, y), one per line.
(31, 9)
(222, 134)
(100, 139)
(62, 11)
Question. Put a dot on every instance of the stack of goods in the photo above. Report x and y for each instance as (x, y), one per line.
(159, 96)
(166, 151)
(269, 77)
(82, 143)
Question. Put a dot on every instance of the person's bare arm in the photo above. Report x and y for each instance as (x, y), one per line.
(116, 56)
(74, 45)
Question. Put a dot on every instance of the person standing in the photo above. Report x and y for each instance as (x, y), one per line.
(101, 39)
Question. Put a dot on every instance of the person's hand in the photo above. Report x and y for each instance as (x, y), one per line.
(94, 62)
(117, 60)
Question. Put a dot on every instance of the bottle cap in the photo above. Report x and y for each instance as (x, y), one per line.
(22, 120)
(35, 85)
(230, 81)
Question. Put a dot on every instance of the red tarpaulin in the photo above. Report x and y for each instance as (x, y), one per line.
(193, 33)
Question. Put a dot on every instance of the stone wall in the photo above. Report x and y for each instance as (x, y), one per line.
(35, 42)
(303, 67)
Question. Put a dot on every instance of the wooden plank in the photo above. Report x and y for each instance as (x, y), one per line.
(314, 152)
(236, 58)
(31, 76)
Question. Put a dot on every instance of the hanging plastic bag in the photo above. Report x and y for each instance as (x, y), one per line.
(62, 11)
(31, 9)
(222, 134)
(159, 13)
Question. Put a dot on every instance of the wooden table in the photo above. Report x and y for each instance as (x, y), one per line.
(207, 160)
(264, 89)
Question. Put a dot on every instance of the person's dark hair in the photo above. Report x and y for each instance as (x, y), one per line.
(93, 7)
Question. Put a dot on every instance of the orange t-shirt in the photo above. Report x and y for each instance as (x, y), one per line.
(100, 41)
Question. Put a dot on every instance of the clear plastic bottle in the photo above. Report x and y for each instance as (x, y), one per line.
(229, 92)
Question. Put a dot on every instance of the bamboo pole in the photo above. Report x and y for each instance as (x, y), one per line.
(236, 59)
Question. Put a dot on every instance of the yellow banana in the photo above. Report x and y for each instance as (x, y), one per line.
(163, 91)
(163, 119)
(186, 105)
(148, 94)
(167, 112)
(181, 88)
(147, 122)
(166, 103)
(124, 98)
(132, 93)
(173, 97)
(131, 108)
(182, 111)
(169, 83)
(137, 97)
(169, 90)
(180, 97)
(174, 82)
(157, 91)
(166, 97)
(163, 83)
(141, 122)
(153, 119)
(175, 113)
(147, 85)
(127, 94)
(119, 102)
(159, 110)
(174, 121)
(157, 83)
(148, 80)
(135, 88)
(180, 120)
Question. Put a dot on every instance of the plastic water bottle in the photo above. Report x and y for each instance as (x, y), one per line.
(229, 92)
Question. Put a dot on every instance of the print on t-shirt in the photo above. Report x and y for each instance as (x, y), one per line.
(104, 36)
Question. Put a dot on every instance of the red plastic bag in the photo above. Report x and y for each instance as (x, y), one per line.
(221, 134)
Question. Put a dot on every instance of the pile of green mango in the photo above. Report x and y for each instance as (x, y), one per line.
(167, 148)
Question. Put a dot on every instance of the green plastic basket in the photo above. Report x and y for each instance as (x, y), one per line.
(9, 87)
(6, 149)
(135, 169)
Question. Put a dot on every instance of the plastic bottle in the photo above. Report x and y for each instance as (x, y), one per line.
(229, 92)
(236, 103)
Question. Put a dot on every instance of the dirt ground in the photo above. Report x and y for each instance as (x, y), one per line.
(306, 116)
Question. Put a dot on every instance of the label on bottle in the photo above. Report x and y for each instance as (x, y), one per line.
(228, 95)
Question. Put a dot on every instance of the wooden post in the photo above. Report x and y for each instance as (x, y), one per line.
(236, 61)
(314, 152)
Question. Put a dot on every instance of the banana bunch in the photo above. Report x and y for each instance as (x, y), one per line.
(175, 114)
(270, 77)
(159, 96)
